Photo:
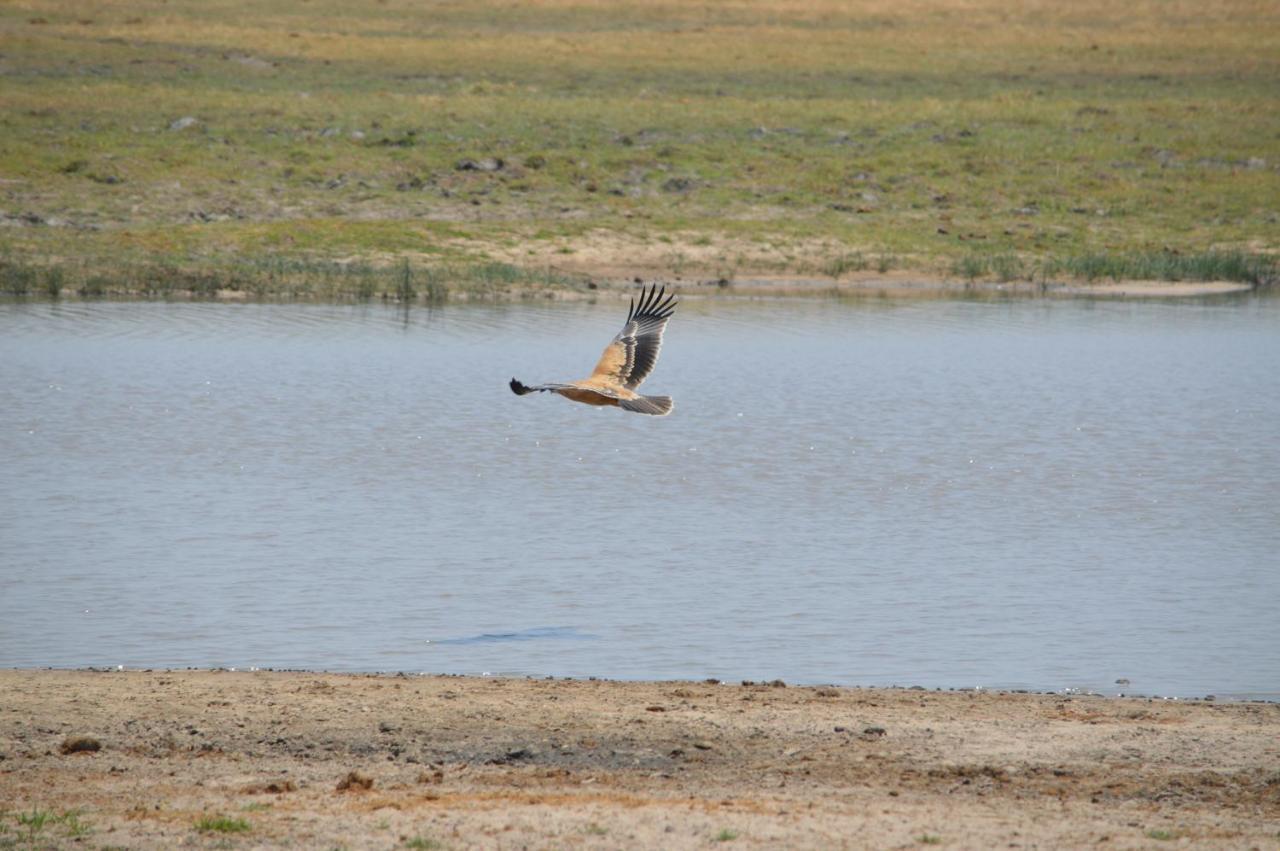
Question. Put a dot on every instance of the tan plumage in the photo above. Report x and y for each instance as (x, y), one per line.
(625, 363)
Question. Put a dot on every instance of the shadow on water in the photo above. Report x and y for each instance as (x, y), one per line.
(558, 633)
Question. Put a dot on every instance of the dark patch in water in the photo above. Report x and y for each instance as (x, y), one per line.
(541, 632)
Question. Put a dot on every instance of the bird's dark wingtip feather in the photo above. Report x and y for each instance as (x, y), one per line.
(518, 388)
(654, 302)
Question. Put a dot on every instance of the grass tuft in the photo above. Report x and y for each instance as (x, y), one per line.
(845, 263)
(222, 824)
(36, 821)
(422, 843)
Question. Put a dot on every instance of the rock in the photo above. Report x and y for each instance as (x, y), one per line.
(488, 164)
(183, 123)
(873, 732)
(80, 744)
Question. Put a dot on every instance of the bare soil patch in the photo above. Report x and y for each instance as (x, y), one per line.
(266, 759)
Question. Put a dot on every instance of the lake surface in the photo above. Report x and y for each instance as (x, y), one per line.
(1029, 494)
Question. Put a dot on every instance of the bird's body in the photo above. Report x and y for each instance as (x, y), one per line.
(625, 363)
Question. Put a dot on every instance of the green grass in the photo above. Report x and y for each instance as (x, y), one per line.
(725, 836)
(1172, 266)
(1237, 266)
(222, 824)
(983, 138)
(422, 843)
(36, 820)
(43, 827)
(298, 278)
(1161, 835)
(930, 839)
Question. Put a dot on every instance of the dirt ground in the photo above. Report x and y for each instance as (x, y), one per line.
(219, 759)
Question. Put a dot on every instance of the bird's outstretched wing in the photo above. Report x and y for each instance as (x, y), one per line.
(631, 356)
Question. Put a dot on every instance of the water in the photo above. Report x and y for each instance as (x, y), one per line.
(1028, 494)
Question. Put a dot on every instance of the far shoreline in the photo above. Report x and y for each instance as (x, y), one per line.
(580, 285)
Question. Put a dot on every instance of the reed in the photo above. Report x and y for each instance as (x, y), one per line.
(1260, 270)
(282, 279)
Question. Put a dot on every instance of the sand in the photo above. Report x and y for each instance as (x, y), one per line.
(456, 762)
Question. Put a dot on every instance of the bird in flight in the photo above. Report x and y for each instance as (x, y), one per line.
(626, 362)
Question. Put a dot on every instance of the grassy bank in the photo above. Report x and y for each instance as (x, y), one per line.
(978, 140)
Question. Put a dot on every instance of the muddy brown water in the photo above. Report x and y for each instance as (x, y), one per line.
(1025, 494)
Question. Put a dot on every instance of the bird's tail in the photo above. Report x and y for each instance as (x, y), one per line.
(658, 406)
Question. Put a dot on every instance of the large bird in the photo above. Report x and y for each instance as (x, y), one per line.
(626, 361)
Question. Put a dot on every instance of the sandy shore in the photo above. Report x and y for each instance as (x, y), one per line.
(453, 762)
